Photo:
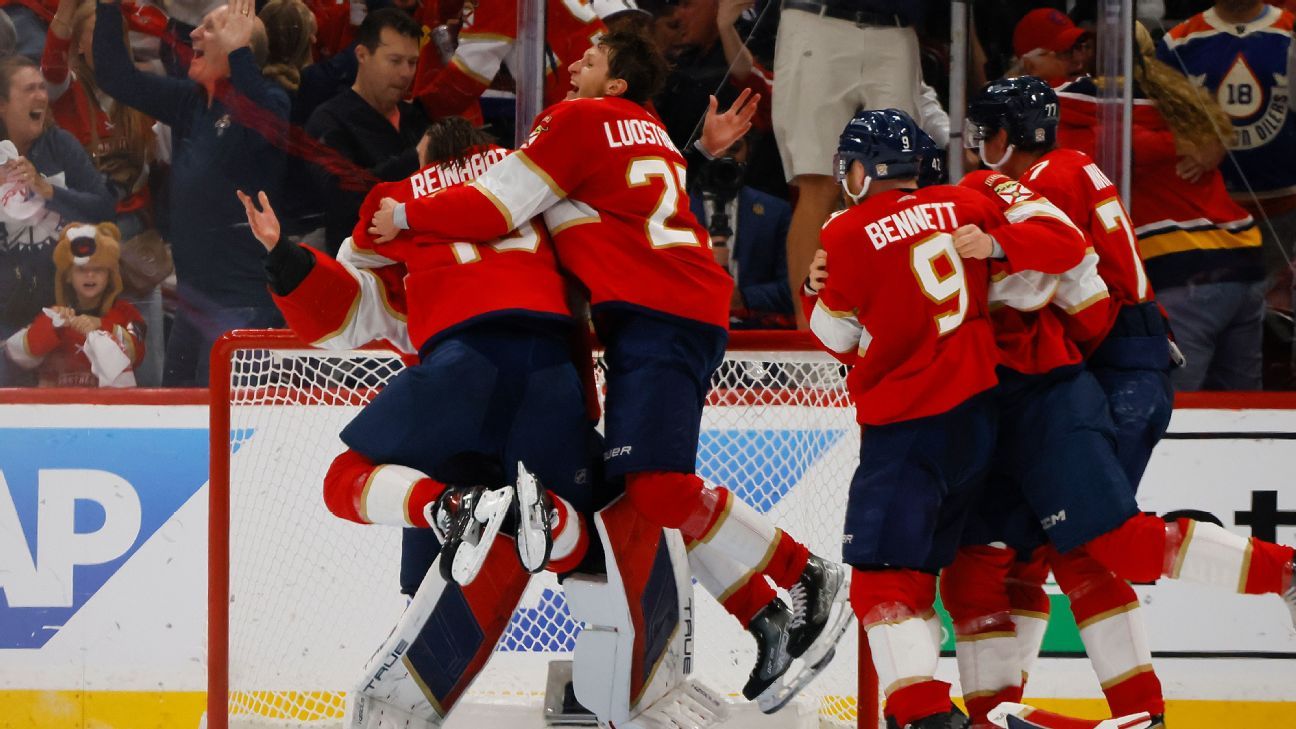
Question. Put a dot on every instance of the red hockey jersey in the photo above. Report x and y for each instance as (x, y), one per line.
(486, 40)
(625, 229)
(106, 357)
(1031, 333)
(1073, 182)
(907, 311)
(448, 285)
(340, 305)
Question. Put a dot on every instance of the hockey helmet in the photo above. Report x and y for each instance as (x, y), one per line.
(885, 141)
(1026, 106)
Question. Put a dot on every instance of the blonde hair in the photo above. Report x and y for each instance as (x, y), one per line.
(289, 25)
(1192, 113)
(135, 126)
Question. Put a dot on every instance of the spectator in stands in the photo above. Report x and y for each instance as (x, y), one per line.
(1241, 51)
(1201, 250)
(226, 120)
(183, 17)
(749, 238)
(707, 41)
(31, 19)
(1049, 46)
(89, 337)
(120, 141)
(834, 57)
(290, 31)
(8, 37)
(487, 36)
(45, 178)
(370, 124)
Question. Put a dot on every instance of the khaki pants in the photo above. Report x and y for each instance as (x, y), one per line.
(824, 70)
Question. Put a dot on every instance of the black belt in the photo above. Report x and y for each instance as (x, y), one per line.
(841, 12)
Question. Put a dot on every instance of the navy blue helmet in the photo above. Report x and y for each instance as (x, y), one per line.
(932, 170)
(885, 141)
(1026, 106)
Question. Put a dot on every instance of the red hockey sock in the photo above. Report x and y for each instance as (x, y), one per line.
(1106, 610)
(916, 701)
(570, 537)
(979, 705)
(1269, 569)
(668, 499)
(353, 487)
(1138, 550)
(750, 598)
(788, 561)
(1026, 584)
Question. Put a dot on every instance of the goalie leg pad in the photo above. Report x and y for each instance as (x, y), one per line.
(631, 660)
(439, 646)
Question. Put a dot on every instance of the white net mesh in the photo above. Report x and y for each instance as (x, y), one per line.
(312, 596)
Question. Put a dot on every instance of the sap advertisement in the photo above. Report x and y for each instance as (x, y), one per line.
(103, 548)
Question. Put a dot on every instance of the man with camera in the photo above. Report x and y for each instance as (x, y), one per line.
(748, 233)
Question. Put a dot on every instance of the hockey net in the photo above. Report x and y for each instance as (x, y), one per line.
(300, 599)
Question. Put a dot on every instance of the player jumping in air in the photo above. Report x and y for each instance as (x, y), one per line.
(659, 304)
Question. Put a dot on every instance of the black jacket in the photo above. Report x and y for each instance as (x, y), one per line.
(360, 134)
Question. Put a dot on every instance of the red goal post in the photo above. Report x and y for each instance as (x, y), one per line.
(778, 430)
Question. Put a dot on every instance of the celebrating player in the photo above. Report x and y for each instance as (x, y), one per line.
(494, 386)
(906, 306)
(659, 302)
(349, 302)
(1060, 476)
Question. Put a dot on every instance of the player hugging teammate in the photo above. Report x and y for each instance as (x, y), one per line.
(1012, 385)
(474, 290)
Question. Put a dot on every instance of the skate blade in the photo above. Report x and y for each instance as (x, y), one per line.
(490, 510)
(784, 689)
(534, 540)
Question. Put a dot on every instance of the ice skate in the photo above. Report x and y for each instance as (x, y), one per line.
(821, 610)
(534, 521)
(1021, 716)
(467, 520)
(770, 629)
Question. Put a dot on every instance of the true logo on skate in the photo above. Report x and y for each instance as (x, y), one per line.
(1049, 522)
(76, 504)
